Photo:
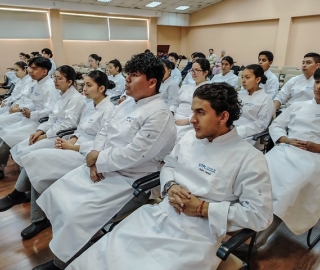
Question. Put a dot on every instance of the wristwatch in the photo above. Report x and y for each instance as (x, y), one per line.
(167, 186)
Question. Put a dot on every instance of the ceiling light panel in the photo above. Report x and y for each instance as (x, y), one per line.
(105, 1)
(153, 4)
(182, 7)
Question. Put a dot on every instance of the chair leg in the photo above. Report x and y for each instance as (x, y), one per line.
(253, 238)
(314, 242)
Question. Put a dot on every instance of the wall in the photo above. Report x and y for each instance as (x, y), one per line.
(78, 51)
(242, 41)
(245, 27)
(10, 49)
(303, 38)
(169, 35)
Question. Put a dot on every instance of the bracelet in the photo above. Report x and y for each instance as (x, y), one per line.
(200, 206)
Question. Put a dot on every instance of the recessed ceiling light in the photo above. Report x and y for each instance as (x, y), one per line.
(153, 4)
(182, 7)
(105, 1)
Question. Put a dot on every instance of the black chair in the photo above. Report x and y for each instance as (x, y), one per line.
(9, 92)
(234, 242)
(6, 84)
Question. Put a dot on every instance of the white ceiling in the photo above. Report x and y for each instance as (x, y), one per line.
(167, 5)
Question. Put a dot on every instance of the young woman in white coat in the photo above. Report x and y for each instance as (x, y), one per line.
(226, 75)
(65, 114)
(94, 61)
(169, 88)
(115, 75)
(43, 95)
(45, 166)
(257, 107)
(181, 108)
(294, 166)
(10, 111)
(212, 183)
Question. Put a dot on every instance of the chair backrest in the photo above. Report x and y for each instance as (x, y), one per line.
(275, 70)
(84, 70)
(76, 68)
(276, 67)
(285, 69)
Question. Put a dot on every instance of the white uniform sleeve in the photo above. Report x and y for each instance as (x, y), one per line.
(186, 79)
(170, 163)
(146, 144)
(72, 115)
(284, 94)
(261, 123)
(273, 87)
(254, 208)
(175, 103)
(278, 128)
(177, 76)
(49, 99)
(234, 82)
(172, 91)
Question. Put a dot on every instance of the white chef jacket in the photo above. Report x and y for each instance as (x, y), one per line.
(188, 79)
(227, 173)
(53, 68)
(229, 78)
(120, 83)
(140, 134)
(271, 87)
(294, 172)
(176, 75)
(169, 91)
(256, 114)
(296, 89)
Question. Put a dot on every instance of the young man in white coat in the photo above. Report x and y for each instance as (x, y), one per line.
(138, 137)
(294, 166)
(299, 88)
(175, 73)
(213, 183)
(43, 96)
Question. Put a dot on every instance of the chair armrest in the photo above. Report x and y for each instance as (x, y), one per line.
(145, 183)
(259, 135)
(234, 242)
(44, 119)
(65, 132)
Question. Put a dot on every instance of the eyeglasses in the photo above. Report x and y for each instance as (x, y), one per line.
(56, 78)
(196, 71)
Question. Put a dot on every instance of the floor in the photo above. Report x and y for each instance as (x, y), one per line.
(283, 251)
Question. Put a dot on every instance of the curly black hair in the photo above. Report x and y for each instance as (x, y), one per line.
(222, 97)
(148, 64)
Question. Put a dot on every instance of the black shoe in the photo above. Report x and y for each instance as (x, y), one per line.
(35, 228)
(1, 175)
(47, 266)
(6, 202)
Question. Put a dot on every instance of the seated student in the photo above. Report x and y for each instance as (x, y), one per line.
(227, 75)
(10, 104)
(47, 53)
(65, 114)
(139, 135)
(211, 58)
(21, 56)
(94, 61)
(257, 107)
(33, 54)
(294, 166)
(217, 65)
(169, 88)
(189, 79)
(271, 87)
(299, 88)
(212, 182)
(181, 108)
(43, 96)
(115, 75)
(185, 70)
(175, 73)
(44, 166)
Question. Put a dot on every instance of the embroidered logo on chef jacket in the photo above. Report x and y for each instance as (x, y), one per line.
(318, 115)
(37, 94)
(31, 89)
(130, 119)
(309, 88)
(90, 121)
(248, 104)
(206, 169)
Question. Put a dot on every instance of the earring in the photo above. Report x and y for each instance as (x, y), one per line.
(220, 124)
